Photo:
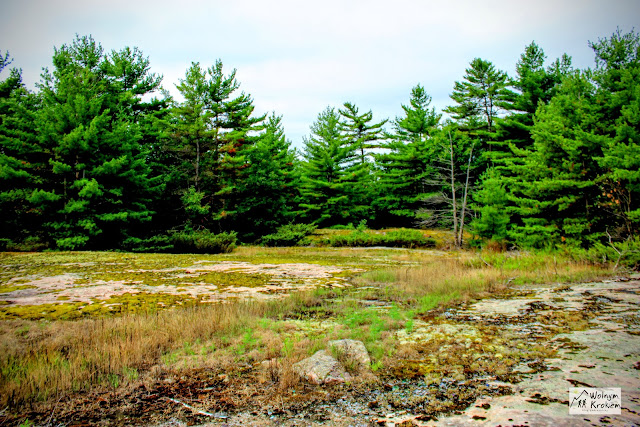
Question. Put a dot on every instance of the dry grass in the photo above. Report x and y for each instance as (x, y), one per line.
(473, 275)
(41, 360)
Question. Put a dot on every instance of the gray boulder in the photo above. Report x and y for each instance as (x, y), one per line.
(351, 352)
(321, 368)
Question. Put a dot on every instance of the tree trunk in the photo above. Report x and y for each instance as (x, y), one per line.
(453, 195)
(464, 201)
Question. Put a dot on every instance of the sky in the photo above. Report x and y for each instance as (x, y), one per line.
(297, 57)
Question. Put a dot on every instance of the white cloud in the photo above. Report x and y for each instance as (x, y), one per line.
(297, 57)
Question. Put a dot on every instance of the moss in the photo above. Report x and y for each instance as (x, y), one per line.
(66, 311)
(118, 304)
(11, 288)
(146, 301)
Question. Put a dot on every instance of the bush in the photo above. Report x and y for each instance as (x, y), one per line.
(406, 238)
(155, 244)
(203, 242)
(402, 238)
(342, 227)
(289, 235)
(30, 244)
(621, 254)
(356, 238)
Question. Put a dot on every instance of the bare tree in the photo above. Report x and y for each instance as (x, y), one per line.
(449, 204)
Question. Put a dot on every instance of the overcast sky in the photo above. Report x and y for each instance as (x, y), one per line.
(296, 57)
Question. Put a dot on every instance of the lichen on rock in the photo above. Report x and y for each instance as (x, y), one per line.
(352, 352)
(322, 368)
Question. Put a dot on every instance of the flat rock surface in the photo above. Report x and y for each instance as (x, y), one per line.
(606, 354)
(87, 283)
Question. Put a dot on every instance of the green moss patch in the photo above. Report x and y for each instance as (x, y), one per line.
(11, 288)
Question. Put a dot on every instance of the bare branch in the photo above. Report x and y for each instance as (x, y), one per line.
(197, 411)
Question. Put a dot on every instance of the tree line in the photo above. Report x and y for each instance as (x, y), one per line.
(102, 157)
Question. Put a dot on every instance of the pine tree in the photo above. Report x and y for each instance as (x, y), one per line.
(236, 130)
(363, 136)
(618, 107)
(359, 131)
(533, 86)
(478, 96)
(269, 195)
(213, 132)
(407, 162)
(491, 204)
(165, 165)
(326, 157)
(557, 194)
(21, 160)
(579, 183)
(195, 145)
(98, 176)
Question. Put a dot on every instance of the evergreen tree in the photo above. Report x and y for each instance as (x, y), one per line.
(213, 132)
(363, 136)
(579, 182)
(407, 162)
(557, 194)
(326, 156)
(491, 204)
(21, 160)
(478, 96)
(359, 131)
(195, 145)
(269, 195)
(98, 180)
(165, 165)
(533, 86)
(235, 132)
(617, 101)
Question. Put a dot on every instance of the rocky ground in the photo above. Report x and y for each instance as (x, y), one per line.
(602, 352)
(504, 361)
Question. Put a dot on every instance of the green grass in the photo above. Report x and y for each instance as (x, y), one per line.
(431, 301)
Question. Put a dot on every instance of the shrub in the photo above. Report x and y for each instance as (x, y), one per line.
(30, 244)
(159, 243)
(406, 238)
(289, 235)
(356, 238)
(342, 227)
(620, 254)
(402, 238)
(203, 242)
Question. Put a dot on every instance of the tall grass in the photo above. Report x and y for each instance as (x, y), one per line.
(470, 275)
(38, 361)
